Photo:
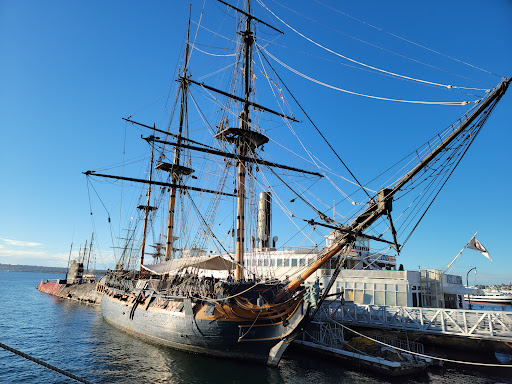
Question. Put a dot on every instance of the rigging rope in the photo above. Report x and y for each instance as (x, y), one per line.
(44, 364)
(421, 354)
(448, 103)
(213, 54)
(379, 47)
(352, 60)
(215, 33)
(318, 130)
(406, 40)
(473, 137)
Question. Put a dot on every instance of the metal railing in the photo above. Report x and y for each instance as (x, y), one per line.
(490, 325)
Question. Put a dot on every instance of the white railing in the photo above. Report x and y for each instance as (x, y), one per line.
(493, 325)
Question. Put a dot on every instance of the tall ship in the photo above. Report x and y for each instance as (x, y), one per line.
(247, 294)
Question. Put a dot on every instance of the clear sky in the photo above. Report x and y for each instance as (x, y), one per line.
(70, 70)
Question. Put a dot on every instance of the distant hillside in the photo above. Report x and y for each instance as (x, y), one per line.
(34, 268)
(31, 268)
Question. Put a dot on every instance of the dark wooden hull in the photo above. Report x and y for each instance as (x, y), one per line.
(186, 326)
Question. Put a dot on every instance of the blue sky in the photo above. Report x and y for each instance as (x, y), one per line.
(70, 70)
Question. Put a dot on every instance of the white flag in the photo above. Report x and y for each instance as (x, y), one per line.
(477, 246)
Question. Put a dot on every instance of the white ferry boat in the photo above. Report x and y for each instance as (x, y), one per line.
(490, 299)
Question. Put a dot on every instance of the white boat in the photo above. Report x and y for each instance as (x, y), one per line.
(490, 299)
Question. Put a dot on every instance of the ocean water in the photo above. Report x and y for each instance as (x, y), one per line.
(74, 337)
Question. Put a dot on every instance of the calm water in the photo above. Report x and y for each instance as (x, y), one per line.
(74, 337)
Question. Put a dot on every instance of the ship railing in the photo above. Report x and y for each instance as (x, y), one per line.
(492, 325)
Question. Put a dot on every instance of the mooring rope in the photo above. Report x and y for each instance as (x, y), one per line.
(423, 355)
(44, 364)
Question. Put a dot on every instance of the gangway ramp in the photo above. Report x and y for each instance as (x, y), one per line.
(483, 325)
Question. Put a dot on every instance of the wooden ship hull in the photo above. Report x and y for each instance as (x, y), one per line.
(232, 328)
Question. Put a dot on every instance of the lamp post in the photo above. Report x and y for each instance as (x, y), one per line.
(467, 285)
(467, 276)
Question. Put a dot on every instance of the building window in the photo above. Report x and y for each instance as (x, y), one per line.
(279, 262)
(265, 262)
(379, 298)
(401, 299)
(294, 262)
(358, 296)
(286, 262)
(390, 298)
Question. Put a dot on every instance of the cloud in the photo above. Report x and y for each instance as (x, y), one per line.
(17, 252)
(58, 257)
(18, 243)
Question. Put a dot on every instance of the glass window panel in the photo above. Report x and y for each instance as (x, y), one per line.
(294, 262)
(272, 262)
(349, 295)
(368, 297)
(390, 298)
(401, 299)
(286, 262)
(253, 262)
(400, 288)
(359, 285)
(279, 262)
(265, 262)
(379, 287)
(260, 262)
(379, 298)
(302, 262)
(390, 287)
(368, 285)
(358, 296)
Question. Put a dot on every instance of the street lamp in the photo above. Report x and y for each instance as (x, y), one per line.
(467, 276)
(467, 285)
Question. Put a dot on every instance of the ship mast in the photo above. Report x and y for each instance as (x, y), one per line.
(177, 151)
(147, 208)
(244, 139)
(241, 149)
(90, 250)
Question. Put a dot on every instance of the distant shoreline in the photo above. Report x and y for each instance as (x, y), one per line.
(31, 268)
(35, 268)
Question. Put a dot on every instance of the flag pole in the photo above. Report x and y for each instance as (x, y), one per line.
(458, 254)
